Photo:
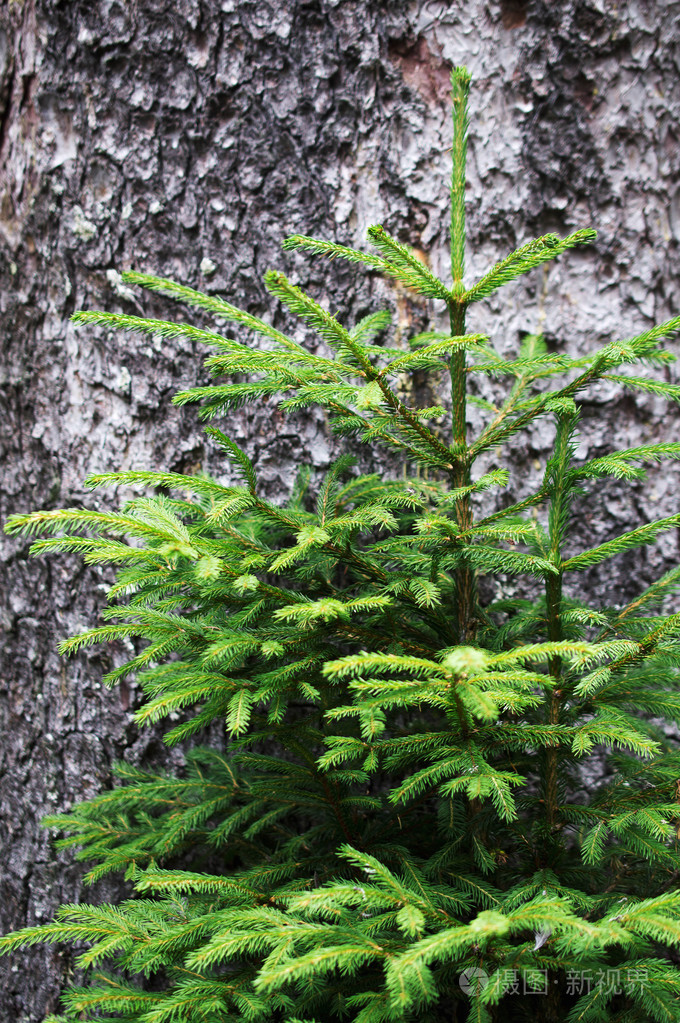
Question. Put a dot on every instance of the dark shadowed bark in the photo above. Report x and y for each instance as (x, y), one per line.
(188, 138)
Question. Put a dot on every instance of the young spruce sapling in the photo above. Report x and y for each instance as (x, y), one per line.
(390, 833)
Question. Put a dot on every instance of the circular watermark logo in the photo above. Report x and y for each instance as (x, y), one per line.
(473, 980)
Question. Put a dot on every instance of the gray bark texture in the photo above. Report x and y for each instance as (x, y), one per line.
(188, 138)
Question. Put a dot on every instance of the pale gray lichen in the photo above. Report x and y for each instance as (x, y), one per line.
(81, 226)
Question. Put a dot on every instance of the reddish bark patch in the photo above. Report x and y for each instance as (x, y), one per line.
(423, 70)
(513, 13)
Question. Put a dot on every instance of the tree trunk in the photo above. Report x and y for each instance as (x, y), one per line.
(188, 138)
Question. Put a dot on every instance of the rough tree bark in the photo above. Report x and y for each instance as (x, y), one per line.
(188, 137)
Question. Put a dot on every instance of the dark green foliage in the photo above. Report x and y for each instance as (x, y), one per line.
(395, 802)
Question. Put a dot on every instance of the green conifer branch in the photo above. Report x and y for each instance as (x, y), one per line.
(211, 304)
(524, 259)
(460, 85)
(465, 581)
(634, 538)
(415, 271)
(557, 483)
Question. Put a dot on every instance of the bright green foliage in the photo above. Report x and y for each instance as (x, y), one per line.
(395, 800)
